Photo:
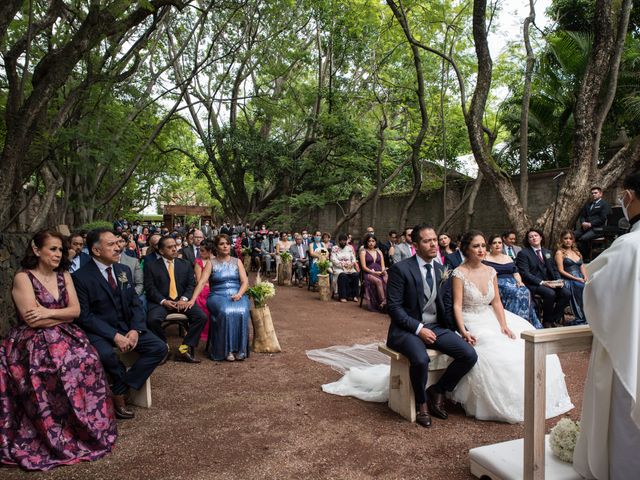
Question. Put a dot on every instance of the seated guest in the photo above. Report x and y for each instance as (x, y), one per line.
(112, 316)
(136, 271)
(454, 260)
(192, 251)
(207, 252)
(444, 247)
(282, 245)
(130, 247)
(326, 239)
(405, 248)
(344, 264)
(375, 274)
(52, 412)
(537, 268)
(268, 252)
(300, 259)
(388, 248)
(256, 251)
(509, 246)
(515, 297)
(169, 285)
(314, 253)
(227, 303)
(571, 269)
(151, 253)
(593, 217)
(76, 241)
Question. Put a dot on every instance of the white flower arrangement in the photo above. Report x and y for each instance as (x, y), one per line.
(563, 438)
(122, 278)
(261, 291)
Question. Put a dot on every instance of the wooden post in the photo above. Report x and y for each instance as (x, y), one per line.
(324, 287)
(264, 335)
(534, 410)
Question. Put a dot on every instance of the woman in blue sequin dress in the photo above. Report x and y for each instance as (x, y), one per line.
(227, 303)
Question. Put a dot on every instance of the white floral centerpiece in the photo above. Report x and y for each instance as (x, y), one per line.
(261, 291)
(563, 438)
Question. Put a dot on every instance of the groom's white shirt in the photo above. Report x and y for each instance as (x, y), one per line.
(429, 313)
(610, 409)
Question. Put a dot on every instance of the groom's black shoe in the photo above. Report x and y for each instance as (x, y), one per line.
(435, 402)
(423, 419)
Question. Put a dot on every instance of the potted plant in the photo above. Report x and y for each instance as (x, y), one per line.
(284, 271)
(264, 335)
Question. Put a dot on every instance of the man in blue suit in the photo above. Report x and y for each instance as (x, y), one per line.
(419, 303)
(112, 316)
(537, 267)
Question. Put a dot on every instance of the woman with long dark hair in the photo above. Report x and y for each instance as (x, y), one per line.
(54, 398)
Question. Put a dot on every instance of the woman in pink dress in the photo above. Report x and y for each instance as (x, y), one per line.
(206, 252)
(54, 398)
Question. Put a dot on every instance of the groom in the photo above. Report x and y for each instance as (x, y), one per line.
(419, 320)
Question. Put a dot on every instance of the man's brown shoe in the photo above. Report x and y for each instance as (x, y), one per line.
(435, 402)
(120, 407)
(423, 419)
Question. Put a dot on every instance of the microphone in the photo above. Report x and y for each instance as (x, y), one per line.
(558, 176)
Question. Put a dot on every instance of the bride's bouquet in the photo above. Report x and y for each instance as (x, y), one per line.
(563, 438)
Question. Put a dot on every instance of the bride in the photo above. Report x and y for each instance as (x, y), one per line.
(494, 388)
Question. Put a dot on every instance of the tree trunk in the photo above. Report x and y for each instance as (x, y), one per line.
(468, 222)
(524, 113)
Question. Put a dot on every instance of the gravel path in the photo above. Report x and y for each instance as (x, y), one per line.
(266, 417)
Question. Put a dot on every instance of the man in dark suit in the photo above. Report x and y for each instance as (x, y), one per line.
(419, 303)
(537, 267)
(152, 250)
(111, 315)
(192, 251)
(593, 217)
(300, 255)
(169, 285)
(76, 242)
(453, 260)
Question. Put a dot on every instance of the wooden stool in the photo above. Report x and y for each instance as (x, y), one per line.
(142, 397)
(179, 319)
(401, 397)
(596, 247)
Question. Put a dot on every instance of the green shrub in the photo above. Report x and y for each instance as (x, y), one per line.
(97, 224)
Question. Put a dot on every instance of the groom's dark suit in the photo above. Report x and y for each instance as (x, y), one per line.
(406, 302)
(105, 312)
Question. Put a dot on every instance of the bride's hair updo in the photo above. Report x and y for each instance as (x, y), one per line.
(465, 241)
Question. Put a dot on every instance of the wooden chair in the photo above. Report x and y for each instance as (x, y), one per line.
(178, 319)
(531, 458)
(401, 397)
(596, 247)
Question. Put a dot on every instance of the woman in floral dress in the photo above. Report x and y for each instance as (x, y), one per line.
(54, 399)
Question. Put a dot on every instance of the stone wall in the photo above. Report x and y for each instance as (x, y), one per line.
(12, 248)
(490, 216)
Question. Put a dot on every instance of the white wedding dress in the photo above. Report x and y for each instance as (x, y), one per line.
(492, 390)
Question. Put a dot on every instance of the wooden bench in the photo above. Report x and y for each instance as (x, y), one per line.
(142, 397)
(401, 397)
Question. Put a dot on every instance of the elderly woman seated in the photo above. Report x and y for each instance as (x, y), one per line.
(344, 264)
(54, 398)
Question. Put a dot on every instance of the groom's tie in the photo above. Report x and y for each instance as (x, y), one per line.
(429, 278)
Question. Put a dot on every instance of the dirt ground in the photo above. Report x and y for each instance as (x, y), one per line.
(267, 417)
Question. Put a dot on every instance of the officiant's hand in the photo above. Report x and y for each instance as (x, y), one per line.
(427, 336)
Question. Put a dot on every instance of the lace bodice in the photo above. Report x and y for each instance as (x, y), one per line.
(473, 300)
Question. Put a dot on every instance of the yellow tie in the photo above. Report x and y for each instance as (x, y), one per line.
(173, 290)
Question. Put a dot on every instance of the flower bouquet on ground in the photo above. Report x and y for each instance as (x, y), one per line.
(264, 335)
(563, 438)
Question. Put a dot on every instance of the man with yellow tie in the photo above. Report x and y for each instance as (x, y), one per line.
(169, 285)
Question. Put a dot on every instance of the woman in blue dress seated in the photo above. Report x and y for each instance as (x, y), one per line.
(227, 303)
(571, 268)
(516, 298)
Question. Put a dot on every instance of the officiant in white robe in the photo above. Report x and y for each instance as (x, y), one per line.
(608, 447)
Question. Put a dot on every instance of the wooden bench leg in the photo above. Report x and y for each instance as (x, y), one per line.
(401, 397)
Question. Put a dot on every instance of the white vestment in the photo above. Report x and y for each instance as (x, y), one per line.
(609, 443)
